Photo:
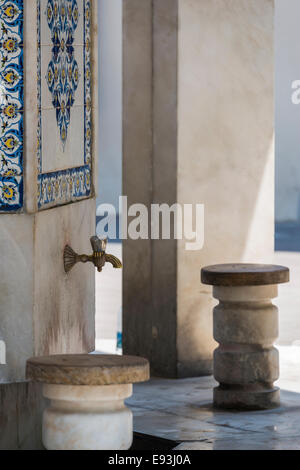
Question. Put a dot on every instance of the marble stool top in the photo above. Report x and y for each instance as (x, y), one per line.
(244, 274)
(87, 369)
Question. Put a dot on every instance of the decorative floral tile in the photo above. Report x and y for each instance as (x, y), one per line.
(64, 97)
(11, 105)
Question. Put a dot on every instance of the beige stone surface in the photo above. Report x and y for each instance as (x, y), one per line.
(245, 315)
(235, 365)
(44, 310)
(225, 148)
(84, 369)
(237, 326)
(64, 304)
(245, 293)
(246, 364)
(82, 393)
(198, 129)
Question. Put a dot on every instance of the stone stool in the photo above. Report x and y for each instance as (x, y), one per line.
(245, 325)
(87, 392)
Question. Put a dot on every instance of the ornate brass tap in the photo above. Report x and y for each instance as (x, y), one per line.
(98, 258)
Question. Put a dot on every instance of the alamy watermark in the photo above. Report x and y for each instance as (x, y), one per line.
(161, 221)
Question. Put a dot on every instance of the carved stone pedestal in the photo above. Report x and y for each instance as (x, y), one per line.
(87, 393)
(245, 325)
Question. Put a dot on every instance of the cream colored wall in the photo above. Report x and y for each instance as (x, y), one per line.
(43, 310)
(225, 148)
(197, 128)
(64, 304)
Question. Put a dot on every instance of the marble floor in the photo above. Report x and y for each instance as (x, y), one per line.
(181, 411)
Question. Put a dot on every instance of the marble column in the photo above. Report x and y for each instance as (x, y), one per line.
(47, 192)
(197, 128)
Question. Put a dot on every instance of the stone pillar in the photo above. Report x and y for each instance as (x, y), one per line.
(47, 192)
(246, 364)
(197, 128)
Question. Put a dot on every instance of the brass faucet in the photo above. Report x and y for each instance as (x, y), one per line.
(98, 258)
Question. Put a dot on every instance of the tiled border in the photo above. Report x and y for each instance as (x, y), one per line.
(62, 187)
(11, 105)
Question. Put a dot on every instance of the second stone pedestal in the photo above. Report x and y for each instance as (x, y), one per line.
(245, 325)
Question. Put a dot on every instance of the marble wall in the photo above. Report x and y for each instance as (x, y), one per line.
(225, 148)
(48, 112)
(198, 128)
